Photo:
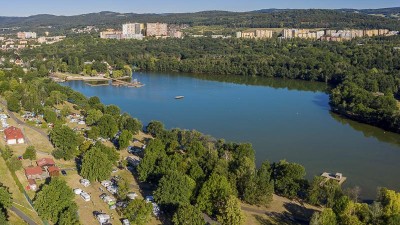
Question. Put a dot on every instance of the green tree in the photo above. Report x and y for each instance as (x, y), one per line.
(188, 214)
(49, 115)
(390, 201)
(326, 217)
(133, 125)
(213, 194)
(138, 211)
(57, 97)
(153, 151)
(69, 216)
(13, 104)
(53, 199)
(174, 189)
(93, 116)
(113, 110)
(155, 128)
(108, 126)
(7, 153)
(123, 187)
(14, 164)
(5, 197)
(288, 178)
(124, 139)
(259, 189)
(30, 153)
(94, 101)
(230, 213)
(3, 218)
(95, 165)
(93, 133)
(65, 140)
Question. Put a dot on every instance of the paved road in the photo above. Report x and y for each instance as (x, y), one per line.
(23, 216)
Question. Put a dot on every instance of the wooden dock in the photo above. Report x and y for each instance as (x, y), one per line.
(120, 82)
(338, 177)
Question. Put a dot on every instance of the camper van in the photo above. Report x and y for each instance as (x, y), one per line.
(85, 196)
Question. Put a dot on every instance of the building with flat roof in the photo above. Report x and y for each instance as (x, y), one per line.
(132, 31)
(111, 34)
(26, 35)
(156, 29)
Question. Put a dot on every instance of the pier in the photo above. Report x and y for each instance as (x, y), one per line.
(338, 177)
(122, 81)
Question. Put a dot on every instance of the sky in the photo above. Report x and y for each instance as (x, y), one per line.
(75, 7)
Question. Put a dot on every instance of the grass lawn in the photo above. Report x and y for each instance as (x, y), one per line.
(17, 196)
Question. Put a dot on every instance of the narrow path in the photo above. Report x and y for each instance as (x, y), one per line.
(22, 123)
(23, 216)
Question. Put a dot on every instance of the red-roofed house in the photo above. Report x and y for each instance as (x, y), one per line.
(54, 171)
(45, 162)
(14, 136)
(36, 173)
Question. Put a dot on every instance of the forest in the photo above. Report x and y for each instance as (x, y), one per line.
(191, 173)
(364, 73)
(273, 18)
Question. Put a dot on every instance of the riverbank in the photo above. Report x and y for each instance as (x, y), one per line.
(63, 77)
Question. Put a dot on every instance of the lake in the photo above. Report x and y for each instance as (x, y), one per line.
(283, 119)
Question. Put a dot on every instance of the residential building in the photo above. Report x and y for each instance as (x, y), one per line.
(26, 35)
(255, 33)
(45, 162)
(156, 29)
(36, 173)
(111, 34)
(132, 31)
(14, 136)
(44, 168)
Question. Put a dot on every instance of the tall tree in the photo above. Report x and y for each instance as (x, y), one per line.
(124, 139)
(53, 199)
(138, 212)
(230, 213)
(95, 165)
(213, 194)
(30, 153)
(108, 126)
(188, 214)
(65, 140)
(174, 189)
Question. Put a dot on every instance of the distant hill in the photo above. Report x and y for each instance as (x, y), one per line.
(265, 18)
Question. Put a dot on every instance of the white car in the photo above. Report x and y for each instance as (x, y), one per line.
(126, 222)
(85, 182)
(112, 189)
(131, 195)
(85, 196)
(106, 183)
(77, 191)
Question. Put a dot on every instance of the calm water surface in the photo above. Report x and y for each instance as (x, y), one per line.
(283, 119)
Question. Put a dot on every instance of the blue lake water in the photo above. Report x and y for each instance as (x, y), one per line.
(283, 119)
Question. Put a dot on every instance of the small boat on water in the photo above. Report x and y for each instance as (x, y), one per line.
(179, 97)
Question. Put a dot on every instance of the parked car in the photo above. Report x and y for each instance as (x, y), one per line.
(77, 191)
(126, 222)
(156, 209)
(85, 196)
(131, 195)
(85, 182)
(64, 173)
(112, 189)
(106, 183)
